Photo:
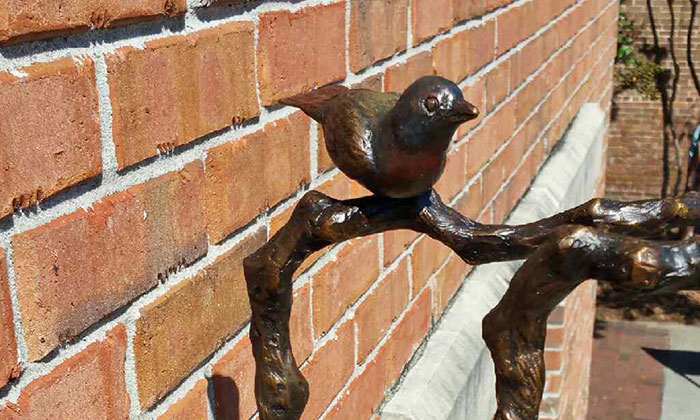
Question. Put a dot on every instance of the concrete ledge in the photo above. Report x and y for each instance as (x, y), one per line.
(454, 377)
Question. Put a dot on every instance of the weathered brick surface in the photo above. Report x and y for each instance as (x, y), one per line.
(364, 394)
(81, 267)
(8, 344)
(447, 281)
(298, 51)
(179, 329)
(181, 88)
(464, 53)
(233, 380)
(395, 242)
(89, 385)
(376, 313)
(430, 17)
(33, 19)
(427, 256)
(340, 283)
(329, 369)
(377, 30)
(247, 175)
(489, 137)
(193, 406)
(49, 132)
(400, 76)
(465, 9)
(407, 336)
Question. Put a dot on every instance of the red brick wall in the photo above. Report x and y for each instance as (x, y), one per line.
(141, 163)
(635, 161)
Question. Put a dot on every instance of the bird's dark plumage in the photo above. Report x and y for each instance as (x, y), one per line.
(393, 144)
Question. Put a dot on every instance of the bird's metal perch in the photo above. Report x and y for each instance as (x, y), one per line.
(602, 239)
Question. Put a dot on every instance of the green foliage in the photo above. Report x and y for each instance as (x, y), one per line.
(633, 69)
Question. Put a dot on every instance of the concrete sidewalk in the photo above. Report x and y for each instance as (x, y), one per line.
(645, 371)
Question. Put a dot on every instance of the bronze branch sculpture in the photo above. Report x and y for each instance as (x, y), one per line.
(602, 239)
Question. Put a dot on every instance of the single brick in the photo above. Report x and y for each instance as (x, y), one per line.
(465, 52)
(49, 132)
(512, 28)
(451, 56)
(466, 9)
(482, 44)
(181, 328)
(181, 88)
(34, 19)
(376, 313)
(341, 282)
(248, 175)
(233, 380)
(8, 344)
(329, 369)
(395, 242)
(447, 281)
(553, 359)
(555, 338)
(89, 385)
(193, 406)
(377, 30)
(298, 51)
(497, 85)
(79, 268)
(427, 257)
(400, 76)
(429, 18)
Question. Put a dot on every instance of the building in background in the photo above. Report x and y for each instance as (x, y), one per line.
(636, 150)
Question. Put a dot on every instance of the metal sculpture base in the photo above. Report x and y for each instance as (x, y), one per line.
(602, 239)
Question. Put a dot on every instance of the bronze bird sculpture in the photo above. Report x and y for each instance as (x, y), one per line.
(394, 145)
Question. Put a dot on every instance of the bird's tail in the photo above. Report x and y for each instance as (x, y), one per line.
(313, 102)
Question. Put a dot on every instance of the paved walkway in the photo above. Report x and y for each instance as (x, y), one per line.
(645, 371)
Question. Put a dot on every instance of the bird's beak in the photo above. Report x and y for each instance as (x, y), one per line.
(463, 111)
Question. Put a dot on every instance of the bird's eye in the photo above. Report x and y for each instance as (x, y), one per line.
(431, 104)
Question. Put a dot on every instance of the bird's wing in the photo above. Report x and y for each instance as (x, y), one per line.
(313, 102)
(350, 128)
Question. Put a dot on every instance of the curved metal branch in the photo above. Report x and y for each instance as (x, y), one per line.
(319, 221)
(515, 330)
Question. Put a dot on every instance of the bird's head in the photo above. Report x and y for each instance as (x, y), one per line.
(436, 101)
(429, 111)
